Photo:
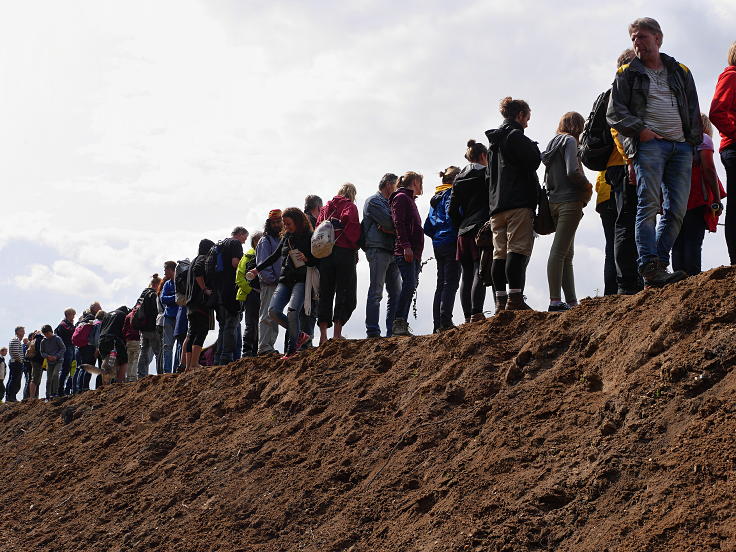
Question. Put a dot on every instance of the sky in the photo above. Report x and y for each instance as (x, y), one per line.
(131, 130)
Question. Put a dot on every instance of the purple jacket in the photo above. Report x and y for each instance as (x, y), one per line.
(407, 222)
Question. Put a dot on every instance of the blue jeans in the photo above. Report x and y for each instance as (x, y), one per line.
(448, 280)
(663, 172)
(293, 296)
(150, 346)
(228, 327)
(409, 281)
(168, 343)
(383, 271)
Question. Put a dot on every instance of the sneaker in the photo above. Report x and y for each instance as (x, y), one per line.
(303, 338)
(561, 307)
(477, 317)
(401, 328)
(516, 302)
(501, 303)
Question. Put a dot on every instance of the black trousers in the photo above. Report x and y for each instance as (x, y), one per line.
(624, 245)
(251, 306)
(608, 212)
(338, 283)
(728, 157)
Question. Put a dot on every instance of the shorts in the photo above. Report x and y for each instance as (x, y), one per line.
(513, 232)
(36, 371)
(199, 327)
(109, 344)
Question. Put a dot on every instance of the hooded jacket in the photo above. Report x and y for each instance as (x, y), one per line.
(168, 299)
(512, 169)
(346, 212)
(723, 107)
(244, 287)
(65, 330)
(377, 212)
(265, 248)
(407, 222)
(564, 176)
(438, 224)
(112, 324)
(627, 105)
(468, 207)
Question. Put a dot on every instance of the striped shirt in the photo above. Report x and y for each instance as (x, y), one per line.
(16, 350)
(663, 114)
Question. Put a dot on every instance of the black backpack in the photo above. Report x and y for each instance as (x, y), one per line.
(214, 266)
(596, 142)
(181, 278)
(145, 311)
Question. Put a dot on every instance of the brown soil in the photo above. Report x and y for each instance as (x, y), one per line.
(610, 427)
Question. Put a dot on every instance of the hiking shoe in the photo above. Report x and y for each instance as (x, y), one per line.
(655, 274)
(501, 303)
(477, 317)
(445, 326)
(516, 302)
(401, 328)
(559, 308)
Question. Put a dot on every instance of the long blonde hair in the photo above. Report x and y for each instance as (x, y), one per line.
(732, 54)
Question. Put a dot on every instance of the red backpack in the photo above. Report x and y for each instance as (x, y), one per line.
(80, 337)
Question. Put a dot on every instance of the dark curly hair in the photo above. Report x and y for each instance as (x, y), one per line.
(300, 220)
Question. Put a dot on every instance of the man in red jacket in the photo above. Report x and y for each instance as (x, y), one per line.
(723, 116)
(409, 244)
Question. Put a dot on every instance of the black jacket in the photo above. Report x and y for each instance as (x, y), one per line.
(112, 324)
(512, 169)
(627, 105)
(469, 199)
(289, 273)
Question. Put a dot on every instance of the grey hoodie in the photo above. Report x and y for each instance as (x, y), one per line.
(565, 179)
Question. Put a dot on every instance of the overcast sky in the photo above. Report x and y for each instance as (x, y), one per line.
(131, 130)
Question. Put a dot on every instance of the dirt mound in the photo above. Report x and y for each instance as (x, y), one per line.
(609, 427)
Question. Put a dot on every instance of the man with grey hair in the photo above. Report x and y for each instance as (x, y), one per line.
(228, 307)
(654, 106)
(379, 237)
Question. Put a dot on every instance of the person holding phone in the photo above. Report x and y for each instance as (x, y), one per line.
(295, 252)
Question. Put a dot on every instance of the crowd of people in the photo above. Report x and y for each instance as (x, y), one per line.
(646, 137)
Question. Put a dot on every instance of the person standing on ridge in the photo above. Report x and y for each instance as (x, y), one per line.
(295, 255)
(52, 351)
(723, 116)
(338, 280)
(15, 364)
(379, 238)
(409, 244)
(439, 226)
(268, 278)
(569, 191)
(65, 330)
(654, 106)
(469, 211)
(223, 281)
(513, 192)
(167, 296)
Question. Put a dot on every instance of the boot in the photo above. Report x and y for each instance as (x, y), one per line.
(401, 328)
(516, 302)
(477, 317)
(501, 303)
(655, 274)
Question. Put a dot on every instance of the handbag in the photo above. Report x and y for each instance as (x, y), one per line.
(543, 222)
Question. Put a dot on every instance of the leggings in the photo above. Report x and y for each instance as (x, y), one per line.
(472, 290)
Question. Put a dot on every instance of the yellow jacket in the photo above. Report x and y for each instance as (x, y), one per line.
(617, 158)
